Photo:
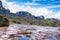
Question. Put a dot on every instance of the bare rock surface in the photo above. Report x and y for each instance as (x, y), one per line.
(32, 32)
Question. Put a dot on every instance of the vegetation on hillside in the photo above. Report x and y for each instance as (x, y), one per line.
(21, 20)
(23, 17)
(3, 21)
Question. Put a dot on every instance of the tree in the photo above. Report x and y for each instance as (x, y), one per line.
(14, 21)
(4, 21)
(1, 19)
(19, 22)
(58, 24)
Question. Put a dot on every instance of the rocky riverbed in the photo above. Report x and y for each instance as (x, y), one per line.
(29, 32)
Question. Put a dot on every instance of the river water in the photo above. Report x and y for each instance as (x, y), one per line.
(50, 31)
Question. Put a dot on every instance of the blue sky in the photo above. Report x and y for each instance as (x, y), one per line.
(42, 2)
(47, 8)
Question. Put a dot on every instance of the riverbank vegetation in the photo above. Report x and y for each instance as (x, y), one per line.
(4, 21)
(46, 22)
(24, 17)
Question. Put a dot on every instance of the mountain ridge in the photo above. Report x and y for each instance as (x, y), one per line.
(24, 14)
(24, 17)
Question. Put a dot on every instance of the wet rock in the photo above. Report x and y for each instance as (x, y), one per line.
(44, 36)
(5, 36)
(58, 34)
(18, 35)
(28, 35)
(15, 38)
(57, 38)
(54, 33)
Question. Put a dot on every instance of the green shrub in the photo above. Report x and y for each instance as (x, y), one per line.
(19, 22)
(14, 21)
(4, 21)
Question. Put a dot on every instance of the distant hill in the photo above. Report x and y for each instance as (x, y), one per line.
(24, 17)
(23, 14)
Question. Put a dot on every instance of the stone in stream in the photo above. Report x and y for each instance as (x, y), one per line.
(43, 36)
(57, 38)
(28, 35)
(54, 33)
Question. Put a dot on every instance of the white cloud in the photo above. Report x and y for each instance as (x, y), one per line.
(57, 15)
(53, 6)
(34, 11)
(30, 4)
(38, 0)
(42, 0)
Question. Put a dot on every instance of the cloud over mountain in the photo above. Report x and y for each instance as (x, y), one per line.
(37, 11)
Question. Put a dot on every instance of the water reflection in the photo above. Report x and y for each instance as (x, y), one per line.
(41, 32)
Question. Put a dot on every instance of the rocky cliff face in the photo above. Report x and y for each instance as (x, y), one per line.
(1, 5)
(29, 15)
(23, 14)
(3, 10)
